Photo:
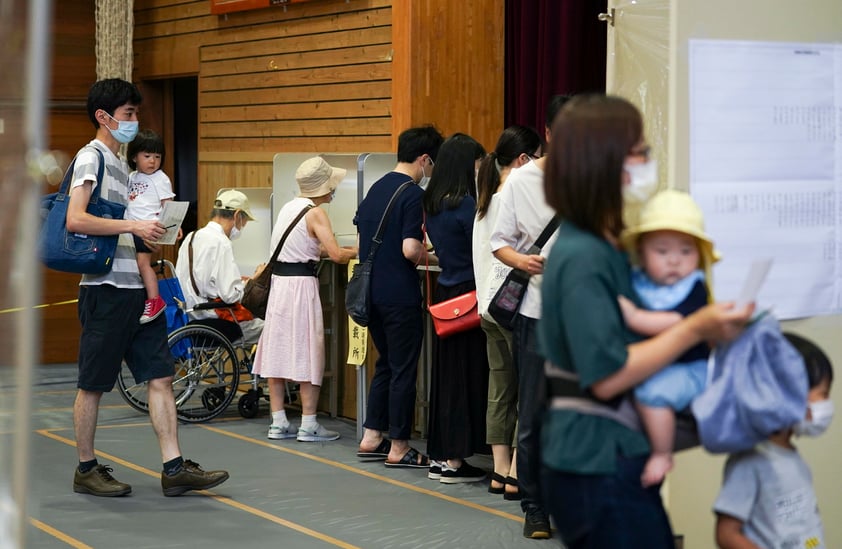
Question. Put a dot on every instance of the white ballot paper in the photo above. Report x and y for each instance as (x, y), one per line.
(751, 286)
(171, 217)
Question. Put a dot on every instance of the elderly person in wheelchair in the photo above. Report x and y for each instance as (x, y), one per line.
(207, 272)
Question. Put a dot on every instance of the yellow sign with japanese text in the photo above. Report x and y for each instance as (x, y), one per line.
(357, 335)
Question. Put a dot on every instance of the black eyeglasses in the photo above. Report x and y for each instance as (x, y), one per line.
(642, 151)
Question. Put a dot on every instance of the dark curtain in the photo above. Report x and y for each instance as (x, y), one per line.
(552, 47)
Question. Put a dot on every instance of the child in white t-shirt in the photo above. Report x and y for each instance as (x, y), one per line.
(767, 499)
(149, 188)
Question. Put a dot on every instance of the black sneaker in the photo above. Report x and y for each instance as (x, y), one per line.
(465, 473)
(99, 482)
(435, 470)
(191, 477)
(536, 525)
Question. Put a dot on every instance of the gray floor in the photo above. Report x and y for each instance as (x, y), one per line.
(280, 494)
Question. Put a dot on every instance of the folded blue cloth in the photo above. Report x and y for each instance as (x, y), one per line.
(758, 386)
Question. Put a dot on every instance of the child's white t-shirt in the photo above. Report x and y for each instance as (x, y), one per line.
(146, 193)
(770, 489)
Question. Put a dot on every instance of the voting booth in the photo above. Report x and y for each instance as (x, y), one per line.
(363, 170)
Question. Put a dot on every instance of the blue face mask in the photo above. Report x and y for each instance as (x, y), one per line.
(126, 131)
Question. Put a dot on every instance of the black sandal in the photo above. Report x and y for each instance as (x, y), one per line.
(412, 459)
(381, 452)
(497, 478)
(515, 495)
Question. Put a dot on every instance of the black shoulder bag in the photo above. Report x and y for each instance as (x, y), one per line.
(256, 292)
(358, 293)
(506, 302)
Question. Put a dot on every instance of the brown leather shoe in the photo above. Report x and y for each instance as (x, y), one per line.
(99, 482)
(191, 477)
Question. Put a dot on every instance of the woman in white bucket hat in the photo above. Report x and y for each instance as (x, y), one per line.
(674, 256)
(291, 346)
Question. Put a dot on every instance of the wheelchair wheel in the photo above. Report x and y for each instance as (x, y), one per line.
(205, 380)
(206, 372)
(249, 404)
(136, 394)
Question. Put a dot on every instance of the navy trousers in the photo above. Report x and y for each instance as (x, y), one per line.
(397, 332)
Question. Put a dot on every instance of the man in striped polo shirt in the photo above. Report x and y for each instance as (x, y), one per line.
(110, 305)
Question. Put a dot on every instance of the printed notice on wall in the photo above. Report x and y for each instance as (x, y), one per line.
(766, 167)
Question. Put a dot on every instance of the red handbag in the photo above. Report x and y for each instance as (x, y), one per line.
(454, 315)
(457, 314)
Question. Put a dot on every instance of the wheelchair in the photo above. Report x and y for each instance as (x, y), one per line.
(210, 357)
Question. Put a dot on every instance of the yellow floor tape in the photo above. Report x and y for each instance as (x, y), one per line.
(18, 309)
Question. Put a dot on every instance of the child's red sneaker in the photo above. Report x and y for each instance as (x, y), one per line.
(152, 309)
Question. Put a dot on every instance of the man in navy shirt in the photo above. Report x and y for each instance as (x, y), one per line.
(396, 320)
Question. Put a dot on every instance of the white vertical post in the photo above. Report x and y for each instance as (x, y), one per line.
(27, 323)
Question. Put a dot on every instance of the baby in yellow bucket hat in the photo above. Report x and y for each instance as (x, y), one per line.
(673, 257)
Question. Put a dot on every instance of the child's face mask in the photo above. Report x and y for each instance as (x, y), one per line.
(821, 414)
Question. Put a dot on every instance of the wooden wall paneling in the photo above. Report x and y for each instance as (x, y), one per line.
(12, 176)
(347, 54)
(319, 82)
(309, 127)
(448, 67)
(74, 40)
(214, 176)
(73, 71)
(166, 37)
(308, 76)
(70, 129)
(154, 19)
(242, 149)
(343, 91)
(306, 45)
(367, 16)
(167, 57)
(379, 108)
(405, 25)
(339, 8)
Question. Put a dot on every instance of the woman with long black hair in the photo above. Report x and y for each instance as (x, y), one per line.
(459, 377)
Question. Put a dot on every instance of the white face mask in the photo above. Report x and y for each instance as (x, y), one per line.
(821, 414)
(643, 181)
(235, 232)
(425, 179)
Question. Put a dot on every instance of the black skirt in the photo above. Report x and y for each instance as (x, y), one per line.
(458, 389)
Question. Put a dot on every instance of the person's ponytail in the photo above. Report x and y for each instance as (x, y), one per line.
(488, 179)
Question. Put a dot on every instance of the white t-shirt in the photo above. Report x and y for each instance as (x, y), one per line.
(524, 213)
(489, 272)
(770, 489)
(146, 191)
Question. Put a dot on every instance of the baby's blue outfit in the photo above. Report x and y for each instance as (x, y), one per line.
(679, 383)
